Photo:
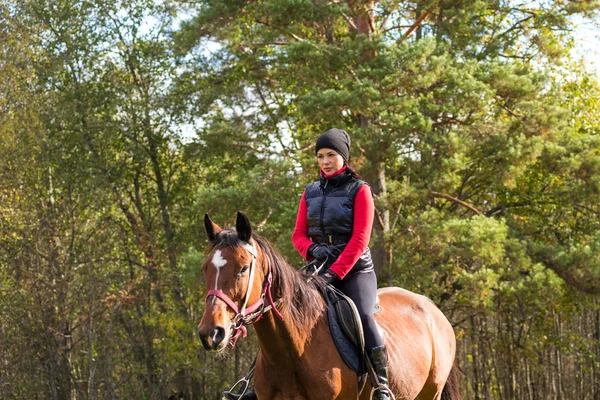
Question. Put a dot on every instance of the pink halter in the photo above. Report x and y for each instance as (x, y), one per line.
(248, 316)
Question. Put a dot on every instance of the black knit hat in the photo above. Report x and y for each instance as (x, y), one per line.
(335, 139)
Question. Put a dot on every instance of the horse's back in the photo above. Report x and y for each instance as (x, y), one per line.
(404, 304)
(420, 340)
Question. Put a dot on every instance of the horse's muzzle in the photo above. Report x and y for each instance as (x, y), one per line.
(212, 339)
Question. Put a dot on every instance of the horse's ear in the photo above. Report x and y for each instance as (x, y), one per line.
(212, 229)
(243, 228)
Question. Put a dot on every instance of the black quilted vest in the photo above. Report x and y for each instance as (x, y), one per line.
(330, 214)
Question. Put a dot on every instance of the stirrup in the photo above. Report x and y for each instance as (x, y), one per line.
(382, 387)
(233, 394)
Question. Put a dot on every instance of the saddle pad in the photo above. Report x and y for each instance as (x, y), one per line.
(351, 348)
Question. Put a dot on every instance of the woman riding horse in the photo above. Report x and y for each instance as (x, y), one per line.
(249, 283)
(333, 227)
(334, 224)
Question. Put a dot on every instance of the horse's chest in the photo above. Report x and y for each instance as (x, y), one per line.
(298, 382)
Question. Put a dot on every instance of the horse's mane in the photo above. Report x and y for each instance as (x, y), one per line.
(302, 301)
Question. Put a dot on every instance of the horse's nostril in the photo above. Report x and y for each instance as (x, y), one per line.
(204, 342)
(217, 335)
(213, 338)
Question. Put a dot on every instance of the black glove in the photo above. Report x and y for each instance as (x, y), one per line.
(321, 252)
(328, 276)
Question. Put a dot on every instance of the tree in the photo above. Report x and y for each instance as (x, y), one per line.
(458, 122)
(308, 66)
(476, 132)
(96, 263)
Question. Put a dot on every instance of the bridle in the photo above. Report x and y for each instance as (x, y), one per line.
(248, 316)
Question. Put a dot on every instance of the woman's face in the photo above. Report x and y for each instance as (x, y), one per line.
(329, 161)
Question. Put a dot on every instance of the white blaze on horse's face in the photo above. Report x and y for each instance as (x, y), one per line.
(219, 262)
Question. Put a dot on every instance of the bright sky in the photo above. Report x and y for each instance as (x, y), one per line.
(587, 43)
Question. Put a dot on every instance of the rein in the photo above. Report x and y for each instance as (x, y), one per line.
(248, 316)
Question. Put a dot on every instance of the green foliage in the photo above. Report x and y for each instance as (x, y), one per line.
(123, 123)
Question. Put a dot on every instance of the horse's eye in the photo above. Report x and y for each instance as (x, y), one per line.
(244, 269)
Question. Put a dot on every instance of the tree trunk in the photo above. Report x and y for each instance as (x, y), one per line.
(380, 251)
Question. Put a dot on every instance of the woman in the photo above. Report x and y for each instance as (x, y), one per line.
(334, 224)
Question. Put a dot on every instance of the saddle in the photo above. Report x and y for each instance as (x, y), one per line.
(346, 331)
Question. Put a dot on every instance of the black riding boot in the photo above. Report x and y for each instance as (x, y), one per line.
(378, 357)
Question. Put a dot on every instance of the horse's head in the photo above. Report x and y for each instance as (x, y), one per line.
(234, 272)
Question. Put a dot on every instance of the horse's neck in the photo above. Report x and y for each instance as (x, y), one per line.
(280, 340)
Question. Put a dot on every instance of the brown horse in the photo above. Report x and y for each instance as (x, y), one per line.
(248, 282)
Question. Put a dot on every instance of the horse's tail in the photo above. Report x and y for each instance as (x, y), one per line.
(451, 390)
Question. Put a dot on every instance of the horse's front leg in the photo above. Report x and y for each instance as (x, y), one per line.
(292, 389)
(292, 392)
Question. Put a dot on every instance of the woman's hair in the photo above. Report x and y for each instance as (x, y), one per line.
(352, 171)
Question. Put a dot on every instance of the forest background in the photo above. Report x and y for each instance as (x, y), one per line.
(123, 121)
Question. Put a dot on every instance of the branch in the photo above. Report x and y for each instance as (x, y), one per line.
(362, 150)
(369, 12)
(305, 148)
(518, 24)
(457, 201)
(298, 38)
(392, 28)
(396, 217)
(414, 26)
(266, 23)
(379, 219)
(582, 283)
(260, 44)
(264, 221)
(500, 208)
(253, 148)
(350, 21)
(400, 206)
(511, 112)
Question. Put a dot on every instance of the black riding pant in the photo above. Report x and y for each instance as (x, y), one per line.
(361, 287)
